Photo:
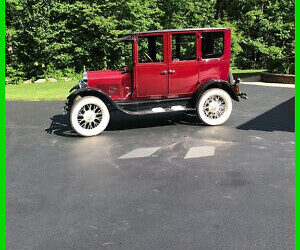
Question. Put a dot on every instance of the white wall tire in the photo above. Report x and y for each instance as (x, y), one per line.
(89, 116)
(214, 107)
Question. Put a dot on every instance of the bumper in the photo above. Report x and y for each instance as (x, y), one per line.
(73, 93)
(82, 84)
(66, 108)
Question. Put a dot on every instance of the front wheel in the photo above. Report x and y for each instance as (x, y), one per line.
(89, 116)
(214, 107)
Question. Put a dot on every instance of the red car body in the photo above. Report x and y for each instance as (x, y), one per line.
(171, 71)
(166, 79)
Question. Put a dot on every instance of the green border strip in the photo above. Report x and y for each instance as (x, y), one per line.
(2, 124)
(297, 121)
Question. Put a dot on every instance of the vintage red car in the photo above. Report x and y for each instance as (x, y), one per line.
(176, 70)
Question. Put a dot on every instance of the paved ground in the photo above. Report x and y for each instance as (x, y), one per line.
(196, 187)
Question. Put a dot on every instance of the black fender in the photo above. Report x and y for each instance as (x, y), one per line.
(82, 92)
(215, 83)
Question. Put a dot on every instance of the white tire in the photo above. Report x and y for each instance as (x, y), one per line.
(89, 116)
(214, 107)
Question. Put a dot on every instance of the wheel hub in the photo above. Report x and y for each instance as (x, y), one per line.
(89, 116)
(214, 107)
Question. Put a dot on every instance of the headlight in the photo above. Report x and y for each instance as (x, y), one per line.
(84, 77)
(82, 84)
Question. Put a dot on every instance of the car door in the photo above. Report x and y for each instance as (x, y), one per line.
(151, 74)
(183, 63)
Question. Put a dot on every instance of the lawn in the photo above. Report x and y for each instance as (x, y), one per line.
(60, 90)
(243, 73)
(39, 91)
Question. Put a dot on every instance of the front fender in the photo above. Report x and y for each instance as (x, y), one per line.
(89, 92)
(215, 84)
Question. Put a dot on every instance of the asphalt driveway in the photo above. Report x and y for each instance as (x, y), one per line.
(153, 183)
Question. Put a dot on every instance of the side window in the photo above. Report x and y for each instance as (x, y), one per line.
(183, 47)
(212, 44)
(150, 49)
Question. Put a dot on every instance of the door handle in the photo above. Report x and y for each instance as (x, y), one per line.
(163, 72)
(171, 71)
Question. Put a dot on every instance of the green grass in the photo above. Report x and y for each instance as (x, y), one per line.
(243, 73)
(39, 91)
(60, 90)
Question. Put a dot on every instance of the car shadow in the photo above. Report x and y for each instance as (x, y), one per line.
(279, 118)
(60, 124)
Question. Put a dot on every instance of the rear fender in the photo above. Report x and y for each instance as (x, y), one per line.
(214, 84)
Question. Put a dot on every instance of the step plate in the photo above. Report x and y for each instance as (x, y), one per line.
(178, 108)
(158, 110)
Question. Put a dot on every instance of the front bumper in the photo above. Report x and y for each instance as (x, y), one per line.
(80, 85)
(70, 99)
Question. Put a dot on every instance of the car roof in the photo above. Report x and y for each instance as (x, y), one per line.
(128, 37)
(174, 30)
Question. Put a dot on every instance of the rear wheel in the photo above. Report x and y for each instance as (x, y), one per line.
(89, 116)
(214, 106)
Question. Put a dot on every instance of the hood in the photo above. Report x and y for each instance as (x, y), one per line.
(103, 76)
(108, 81)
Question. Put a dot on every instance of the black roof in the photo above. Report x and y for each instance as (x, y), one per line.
(172, 30)
(129, 36)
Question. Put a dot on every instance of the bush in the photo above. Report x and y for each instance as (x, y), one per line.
(284, 66)
(13, 76)
(51, 72)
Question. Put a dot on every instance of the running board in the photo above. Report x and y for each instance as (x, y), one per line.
(160, 110)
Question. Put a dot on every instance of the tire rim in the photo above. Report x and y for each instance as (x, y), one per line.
(214, 107)
(89, 116)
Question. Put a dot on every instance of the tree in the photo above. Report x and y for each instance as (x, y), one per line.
(60, 37)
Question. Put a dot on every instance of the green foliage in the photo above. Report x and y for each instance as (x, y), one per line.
(267, 28)
(59, 74)
(58, 38)
(14, 76)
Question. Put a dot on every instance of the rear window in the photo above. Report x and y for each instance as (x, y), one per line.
(212, 44)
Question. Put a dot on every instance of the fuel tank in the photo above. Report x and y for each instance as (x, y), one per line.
(114, 83)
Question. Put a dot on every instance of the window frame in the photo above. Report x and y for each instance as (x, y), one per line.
(224, 45)
(196, 46)
(163, 47)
